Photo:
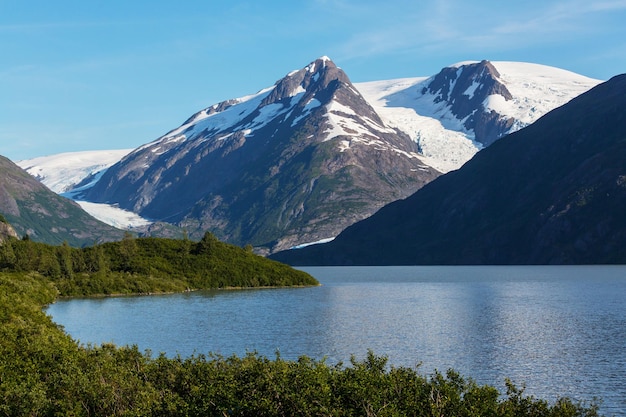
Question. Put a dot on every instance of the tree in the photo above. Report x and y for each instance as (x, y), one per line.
(7, 255)
(128, 252)
(65, 260)
(208, 243)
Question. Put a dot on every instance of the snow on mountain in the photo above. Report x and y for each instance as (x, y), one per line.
(114, 216)
(424, 108)
(536, 89)
(296, 162)
(396, 101)
(217, 118)
(62, 172)
(449, 116)
(281, 101)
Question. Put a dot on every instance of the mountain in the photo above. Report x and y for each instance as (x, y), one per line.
(34, 210)
(551, 193)
(297, 162)
(300, 161)
(413, 105)
(467, 106)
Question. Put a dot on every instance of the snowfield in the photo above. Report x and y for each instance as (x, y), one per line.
(62, 172)
(398, 103)
(445, 144)
(114, 216)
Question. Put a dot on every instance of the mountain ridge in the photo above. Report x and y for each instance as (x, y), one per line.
(351, 136)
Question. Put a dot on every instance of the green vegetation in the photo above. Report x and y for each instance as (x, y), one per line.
(147, 265)
(43, 372)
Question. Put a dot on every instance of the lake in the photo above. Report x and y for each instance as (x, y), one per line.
(558, 330)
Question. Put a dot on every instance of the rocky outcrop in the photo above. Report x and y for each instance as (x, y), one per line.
(6, 231)
(465, 89)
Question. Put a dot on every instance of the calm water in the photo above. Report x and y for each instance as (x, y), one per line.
(560, 331)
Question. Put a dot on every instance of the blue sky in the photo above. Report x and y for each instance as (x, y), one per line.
(87, 75)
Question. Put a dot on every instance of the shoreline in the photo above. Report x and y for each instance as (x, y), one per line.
(188, 290)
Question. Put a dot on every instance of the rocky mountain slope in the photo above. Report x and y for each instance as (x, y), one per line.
(551, 193)
(33, 210)
(297, 162)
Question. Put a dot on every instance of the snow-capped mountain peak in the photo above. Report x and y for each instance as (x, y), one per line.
(321, 87)
(469, 105)
(250, 113)
(470, 80)
(309, 132)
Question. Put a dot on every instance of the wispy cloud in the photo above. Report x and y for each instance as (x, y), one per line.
(464, 27)
(33, 27)
(606, 5)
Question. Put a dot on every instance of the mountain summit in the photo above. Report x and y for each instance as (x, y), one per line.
(294, 163)
(468, 106)
(468, 90)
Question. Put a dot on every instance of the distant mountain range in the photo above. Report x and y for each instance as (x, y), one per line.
(551, 193)
(300, 161)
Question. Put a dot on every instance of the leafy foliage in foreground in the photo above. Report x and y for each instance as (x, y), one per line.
(43, 372)
(147, 265)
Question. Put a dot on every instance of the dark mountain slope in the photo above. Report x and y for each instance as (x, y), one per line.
(551, 193)
(33, 209)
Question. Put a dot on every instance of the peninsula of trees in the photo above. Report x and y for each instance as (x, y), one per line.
(147, 265)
